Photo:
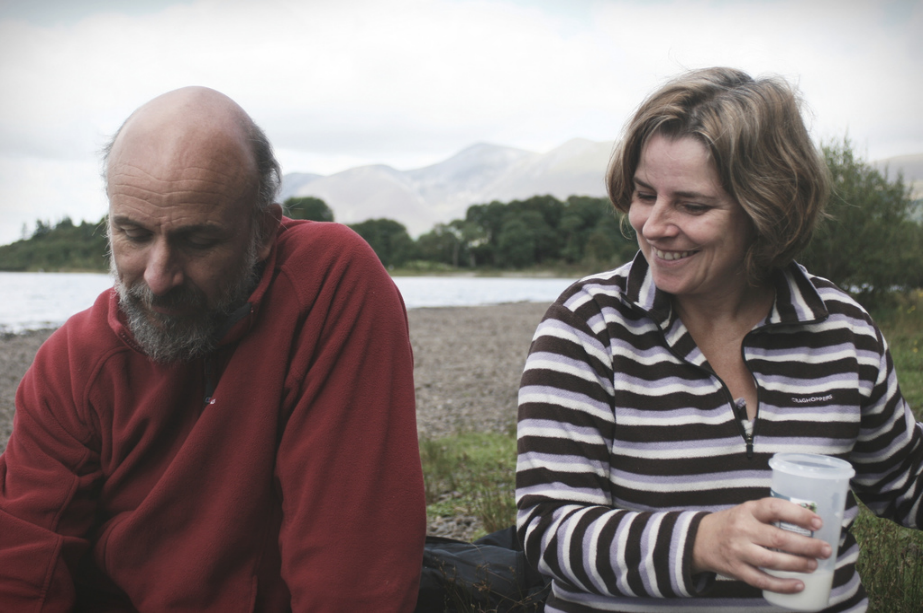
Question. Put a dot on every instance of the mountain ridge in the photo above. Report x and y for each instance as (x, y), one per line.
(422, 197)
(483, 172)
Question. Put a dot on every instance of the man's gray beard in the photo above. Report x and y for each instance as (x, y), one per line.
(173, 338)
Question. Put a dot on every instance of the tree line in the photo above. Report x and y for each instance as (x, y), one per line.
(61, 246)
(871, 242)
(541, 231)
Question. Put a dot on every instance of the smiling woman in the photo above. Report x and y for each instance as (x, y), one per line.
(692, 233)
(654, 395)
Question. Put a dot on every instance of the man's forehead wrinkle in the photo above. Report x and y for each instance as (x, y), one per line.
(166, 197)
(172, 221)
(214, 196)
(196, 174)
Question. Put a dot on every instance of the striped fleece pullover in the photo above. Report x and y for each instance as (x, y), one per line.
(627, 438)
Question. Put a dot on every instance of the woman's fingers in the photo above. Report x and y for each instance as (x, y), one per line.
(740, 541)
(770, 510)
(787, 527)
(764, 581)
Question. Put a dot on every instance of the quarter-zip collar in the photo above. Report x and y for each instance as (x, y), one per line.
(796, 301)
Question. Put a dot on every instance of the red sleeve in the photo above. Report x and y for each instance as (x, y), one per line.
(48, 474)
(348, 464)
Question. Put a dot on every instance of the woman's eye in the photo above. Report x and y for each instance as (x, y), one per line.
(645, 197)
(695, 209)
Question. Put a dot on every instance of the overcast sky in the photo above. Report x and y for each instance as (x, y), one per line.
(408, 83)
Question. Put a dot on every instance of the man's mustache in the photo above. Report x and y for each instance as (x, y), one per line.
(177, 297)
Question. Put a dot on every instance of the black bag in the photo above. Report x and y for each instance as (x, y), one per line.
(489, 575)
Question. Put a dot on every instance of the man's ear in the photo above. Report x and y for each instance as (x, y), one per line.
(269, 220)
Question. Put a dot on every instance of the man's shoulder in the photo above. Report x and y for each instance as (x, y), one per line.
(311, 248)
(74, 354)
(86, 333)
(325, 264)
(334, 239)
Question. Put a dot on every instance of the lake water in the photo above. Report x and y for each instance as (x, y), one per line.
(30, 301)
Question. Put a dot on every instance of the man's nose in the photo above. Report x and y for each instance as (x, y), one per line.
(163, 271)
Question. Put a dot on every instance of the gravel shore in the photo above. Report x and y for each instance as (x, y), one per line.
(16, 354)
(467, 366)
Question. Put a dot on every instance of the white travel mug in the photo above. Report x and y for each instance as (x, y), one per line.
(819, 483)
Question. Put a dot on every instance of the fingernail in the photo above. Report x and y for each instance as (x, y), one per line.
(816, 523)
(799, 587)
(812, 564)
(826, 550)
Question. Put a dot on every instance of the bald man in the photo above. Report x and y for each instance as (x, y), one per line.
(232, 426)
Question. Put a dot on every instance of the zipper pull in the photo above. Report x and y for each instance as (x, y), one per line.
(740, 411)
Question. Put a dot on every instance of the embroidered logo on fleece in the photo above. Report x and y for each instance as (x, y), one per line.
(810, 399)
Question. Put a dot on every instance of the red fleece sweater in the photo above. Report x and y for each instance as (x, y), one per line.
(296, 487)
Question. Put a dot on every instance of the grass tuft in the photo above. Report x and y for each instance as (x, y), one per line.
(472, 474)
(890, 564)
(902, 326)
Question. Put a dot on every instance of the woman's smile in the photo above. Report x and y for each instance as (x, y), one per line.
(671, 256)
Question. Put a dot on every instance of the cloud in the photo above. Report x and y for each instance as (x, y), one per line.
(47, 189)
(409, 82)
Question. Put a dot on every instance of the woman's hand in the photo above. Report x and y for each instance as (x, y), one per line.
(738, 541)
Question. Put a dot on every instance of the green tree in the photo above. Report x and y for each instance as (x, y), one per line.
(59, 247)
(543, 216)
(444, 244)
(42, 228)
(871, 243)
(389, 239)
(599, 247)
(497, 231)
(308, 207)
(472, 237)
(592, 234)
(542, 230)
(516, 244)
(488, 219)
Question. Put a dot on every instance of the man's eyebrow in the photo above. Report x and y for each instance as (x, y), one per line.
(202, 228)
(682, 194)
(122, 220)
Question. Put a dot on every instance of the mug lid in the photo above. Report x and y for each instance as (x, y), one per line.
(812, 465)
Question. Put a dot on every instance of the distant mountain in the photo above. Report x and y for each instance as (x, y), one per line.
(465, 178)
(479, 174)
(439, 193)
(578, 167)
(910, 165)
(294, 181)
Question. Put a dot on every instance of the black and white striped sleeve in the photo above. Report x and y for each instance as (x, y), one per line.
(567, 520)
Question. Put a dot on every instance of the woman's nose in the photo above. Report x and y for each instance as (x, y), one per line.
(659, 221)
